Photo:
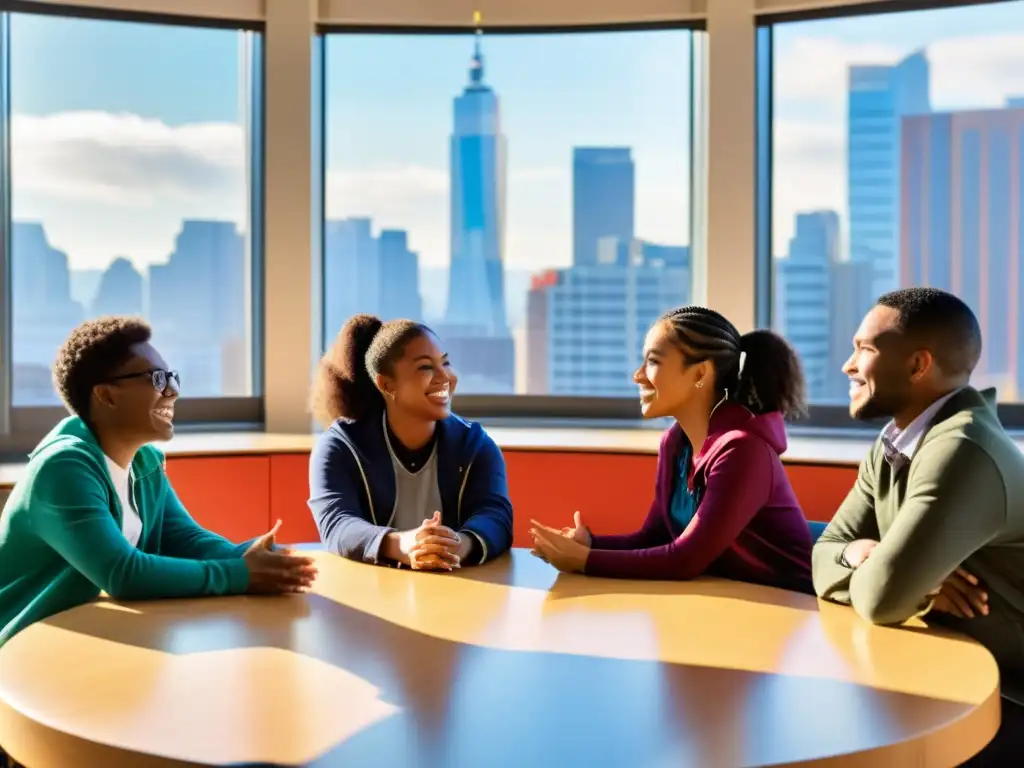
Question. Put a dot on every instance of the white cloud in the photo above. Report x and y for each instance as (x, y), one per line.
(809, 165)
(976, 71)
(107, 185)
(812, 70)
(123, 159)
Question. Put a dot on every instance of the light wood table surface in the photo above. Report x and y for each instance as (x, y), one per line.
(509, 664)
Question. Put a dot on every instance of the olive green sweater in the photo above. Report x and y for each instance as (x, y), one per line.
(960, 501)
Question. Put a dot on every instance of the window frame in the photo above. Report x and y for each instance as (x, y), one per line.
(821, 417)
(21, 427)
(621, 411)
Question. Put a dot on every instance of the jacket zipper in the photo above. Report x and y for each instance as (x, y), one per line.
(366, 485)
(465, 477)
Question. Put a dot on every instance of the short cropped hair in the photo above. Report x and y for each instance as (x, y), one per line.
(91, 355)
(941, 323)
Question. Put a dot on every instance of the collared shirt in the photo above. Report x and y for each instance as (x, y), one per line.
(900, 445)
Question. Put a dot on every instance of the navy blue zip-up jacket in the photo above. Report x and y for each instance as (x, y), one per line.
(352, 487)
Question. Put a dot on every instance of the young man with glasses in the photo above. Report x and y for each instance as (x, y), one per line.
(95, 511)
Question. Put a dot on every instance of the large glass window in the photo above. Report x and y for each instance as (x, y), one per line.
(525, 195)
(131, 192)
(898, 154)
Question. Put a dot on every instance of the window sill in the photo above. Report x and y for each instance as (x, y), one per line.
(825, 448)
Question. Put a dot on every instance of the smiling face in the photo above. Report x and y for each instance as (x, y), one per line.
(668, 383)
(130, 403)
(421, 382)
(882, 370)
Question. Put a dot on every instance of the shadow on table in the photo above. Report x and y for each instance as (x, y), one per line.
(524, 571)
(466, 705)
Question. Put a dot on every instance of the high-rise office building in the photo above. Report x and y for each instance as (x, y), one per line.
(603, 199)
(585, 325)
(43, 312)
(850, 294)
(351, 272)
(399, 277)
(878, 98)
(475, 327)
(962, 225)
(198, 309)
(120, 290)
(363, 272)
(805, 278)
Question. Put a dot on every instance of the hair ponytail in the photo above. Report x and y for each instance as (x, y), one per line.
(343, 388)
(759, 370)
(770, 376)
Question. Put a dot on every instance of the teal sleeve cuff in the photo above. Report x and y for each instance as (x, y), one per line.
(238, 575)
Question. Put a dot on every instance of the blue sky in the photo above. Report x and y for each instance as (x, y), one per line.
(143, 126)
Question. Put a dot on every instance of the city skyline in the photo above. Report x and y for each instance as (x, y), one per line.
(584, 165)
(976, 61)
(104, 100)
(934, 198)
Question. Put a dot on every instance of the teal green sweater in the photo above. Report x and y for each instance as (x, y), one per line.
(61, 542)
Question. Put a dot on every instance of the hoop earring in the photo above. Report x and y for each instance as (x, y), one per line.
(391, 395)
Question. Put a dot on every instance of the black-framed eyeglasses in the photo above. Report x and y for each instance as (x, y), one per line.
(162, 380)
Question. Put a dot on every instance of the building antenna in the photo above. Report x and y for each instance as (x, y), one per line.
(477, 67)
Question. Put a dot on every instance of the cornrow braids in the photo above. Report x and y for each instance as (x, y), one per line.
(759, 370)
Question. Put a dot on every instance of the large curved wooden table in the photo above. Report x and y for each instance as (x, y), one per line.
(510, 664)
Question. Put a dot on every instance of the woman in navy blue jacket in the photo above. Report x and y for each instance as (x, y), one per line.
(397, 478)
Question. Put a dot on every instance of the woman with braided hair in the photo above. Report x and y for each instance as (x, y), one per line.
(722, 504)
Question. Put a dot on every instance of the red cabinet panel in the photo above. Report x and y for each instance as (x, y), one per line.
(226, 494)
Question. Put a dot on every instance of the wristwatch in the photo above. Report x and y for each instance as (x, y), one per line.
(841, 559)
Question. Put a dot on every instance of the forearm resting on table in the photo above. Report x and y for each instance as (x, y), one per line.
(831, 578)
(883, 598)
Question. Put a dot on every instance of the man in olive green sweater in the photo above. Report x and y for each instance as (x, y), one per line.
(935, 522)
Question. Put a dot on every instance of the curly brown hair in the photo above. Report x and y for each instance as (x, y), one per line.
(344, 386)
(771, 379)
(91, 355)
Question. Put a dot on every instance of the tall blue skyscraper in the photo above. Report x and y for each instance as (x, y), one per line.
(603, 186)
(475, 326)
(878, 98)
(476, 300)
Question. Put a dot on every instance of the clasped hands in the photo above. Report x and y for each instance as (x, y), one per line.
(430, 546)
(961, 594)
(567, 549)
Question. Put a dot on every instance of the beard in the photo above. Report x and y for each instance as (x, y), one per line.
(884, 402)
